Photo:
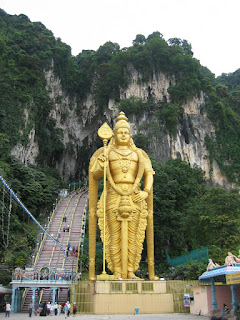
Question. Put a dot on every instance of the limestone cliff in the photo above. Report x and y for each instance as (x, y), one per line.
(80, 126)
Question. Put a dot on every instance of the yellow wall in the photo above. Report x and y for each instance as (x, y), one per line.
(124, 296)
(200, 300)
(126, 303)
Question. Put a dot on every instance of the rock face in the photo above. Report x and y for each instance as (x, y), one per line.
(29, 153)
(81, 127)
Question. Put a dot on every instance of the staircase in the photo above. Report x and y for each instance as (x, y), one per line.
(72, 208)
(28, 299)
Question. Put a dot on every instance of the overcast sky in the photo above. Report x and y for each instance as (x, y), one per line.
(211, 26)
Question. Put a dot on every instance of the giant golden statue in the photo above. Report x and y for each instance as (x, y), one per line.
(124, 211)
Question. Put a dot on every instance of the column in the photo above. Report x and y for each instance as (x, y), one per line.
(214, 300)
(13, 307)
(17, 298)
(69, 294)
(19, 294)
(38, 296)
(33, 298)
(57, 295)
(53, 295)
(73, 286)
(234, 298)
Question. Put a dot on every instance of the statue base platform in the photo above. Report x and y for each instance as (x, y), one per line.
(131, 297)
(105, 277)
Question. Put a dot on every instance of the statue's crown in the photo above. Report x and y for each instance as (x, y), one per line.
(121, 122)
(121, 117)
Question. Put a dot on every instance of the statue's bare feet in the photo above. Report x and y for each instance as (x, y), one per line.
(154, 278)
(131, 275)
(117, 275)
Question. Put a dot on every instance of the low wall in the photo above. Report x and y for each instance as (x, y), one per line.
(122, 297)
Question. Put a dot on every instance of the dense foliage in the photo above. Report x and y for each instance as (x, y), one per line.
(38, 189)
(27, 48)
(189, 215)
(223, 108)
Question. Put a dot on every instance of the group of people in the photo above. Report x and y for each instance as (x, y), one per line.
(72, 250)
(56, 309)
(66, 229)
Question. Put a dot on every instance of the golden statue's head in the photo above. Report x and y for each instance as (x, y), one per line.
(122, 128)
(121, 122)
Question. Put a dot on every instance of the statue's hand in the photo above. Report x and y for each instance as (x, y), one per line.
(140, 196)
(101, 160)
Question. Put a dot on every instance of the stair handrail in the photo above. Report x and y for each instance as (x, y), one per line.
(24, 294)
(41, 294)
(48, 227)
(26, 210)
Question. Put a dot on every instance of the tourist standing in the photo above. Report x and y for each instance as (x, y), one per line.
(74, 309)
(59, 308)
(48, 308)
(30, 309)
(44, 309)
(69, 307)
(7, 309)
(51, 309)
(55, 309)
(65, 309)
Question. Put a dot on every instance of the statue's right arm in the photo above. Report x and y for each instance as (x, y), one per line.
(98, 167)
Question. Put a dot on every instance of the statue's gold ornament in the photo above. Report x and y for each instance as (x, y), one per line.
(124, 211)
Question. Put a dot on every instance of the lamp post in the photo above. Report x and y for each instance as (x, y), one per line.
(37, 248)
(81, 259)
(72, 262)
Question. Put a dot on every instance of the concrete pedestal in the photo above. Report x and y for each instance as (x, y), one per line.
(123, 297)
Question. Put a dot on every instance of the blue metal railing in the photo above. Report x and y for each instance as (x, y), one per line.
(29, 214)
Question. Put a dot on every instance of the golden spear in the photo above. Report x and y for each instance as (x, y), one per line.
(105, 133)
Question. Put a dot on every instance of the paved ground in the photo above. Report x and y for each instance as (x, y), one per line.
(170, 316)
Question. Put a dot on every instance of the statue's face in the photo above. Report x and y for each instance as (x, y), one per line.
(123, 137)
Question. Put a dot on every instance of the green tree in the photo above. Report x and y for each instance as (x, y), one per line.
(4, 146)
(213, 219)
(175, 184)
(140, 39)
(169, 114)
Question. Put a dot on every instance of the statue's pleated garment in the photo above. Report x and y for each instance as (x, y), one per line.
(136, 230)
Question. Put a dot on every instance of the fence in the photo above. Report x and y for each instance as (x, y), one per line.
(197, 255)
